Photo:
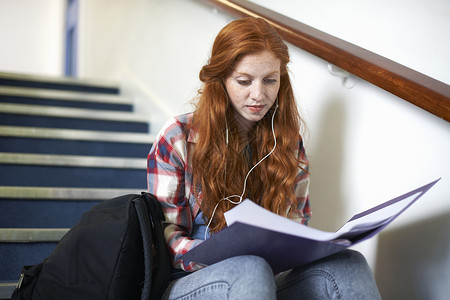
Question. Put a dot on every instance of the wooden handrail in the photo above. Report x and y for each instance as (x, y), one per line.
(421, 90)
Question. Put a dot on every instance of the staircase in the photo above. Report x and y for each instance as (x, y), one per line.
(65, 145)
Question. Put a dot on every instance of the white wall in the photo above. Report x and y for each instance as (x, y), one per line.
(365, 145)
(32, 36)
(410, 32)
(156, 46)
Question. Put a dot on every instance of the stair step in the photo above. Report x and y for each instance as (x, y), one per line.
(71, 118)
(42, 213)
(6, 289)
(29, 246)
(58, 83)
(72, 171)
(77, 142)
(64, 98)
(22, 254)
(35, 207)
(45, 176)
(25, 246)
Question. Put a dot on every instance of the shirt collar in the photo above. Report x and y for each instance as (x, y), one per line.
(193, 136)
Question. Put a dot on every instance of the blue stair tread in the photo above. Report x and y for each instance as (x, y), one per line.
(72, 123)
(16, 255)
(65, 103)
(75, 147)
(61, 86)
(48, 176)
(18, 213)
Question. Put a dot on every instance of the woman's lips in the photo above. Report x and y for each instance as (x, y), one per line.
(256, 108)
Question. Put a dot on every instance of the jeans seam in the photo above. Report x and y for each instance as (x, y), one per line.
(199, 290)
(314, 273)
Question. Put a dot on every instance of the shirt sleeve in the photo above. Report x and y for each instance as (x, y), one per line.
(302, 213)
(166, 180)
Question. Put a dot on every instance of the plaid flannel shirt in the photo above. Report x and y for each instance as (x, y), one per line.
(169, 178)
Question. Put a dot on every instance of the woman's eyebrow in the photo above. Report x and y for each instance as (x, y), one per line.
(249, 75)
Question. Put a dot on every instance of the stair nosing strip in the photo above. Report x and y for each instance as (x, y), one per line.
(7, 284)
(50, 193)
(63, 194)
(76, 113)
(31, 235)
(65, 95)
(73, 160)
(76, 134)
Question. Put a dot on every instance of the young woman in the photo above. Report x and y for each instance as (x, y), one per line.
(242, 141)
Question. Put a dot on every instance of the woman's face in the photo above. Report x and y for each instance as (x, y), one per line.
(253, 87)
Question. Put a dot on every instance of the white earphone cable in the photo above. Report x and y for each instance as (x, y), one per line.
(248, 174)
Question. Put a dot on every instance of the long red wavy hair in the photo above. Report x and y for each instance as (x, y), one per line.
(219, 169)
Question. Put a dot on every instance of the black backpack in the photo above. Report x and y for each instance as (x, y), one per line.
(116, 251)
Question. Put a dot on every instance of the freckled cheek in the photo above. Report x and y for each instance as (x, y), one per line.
(237, 95)
(272, 92)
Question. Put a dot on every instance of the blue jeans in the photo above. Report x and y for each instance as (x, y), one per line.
(345, 275)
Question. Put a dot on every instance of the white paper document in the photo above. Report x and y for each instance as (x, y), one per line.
(250, 213)
(253, 230)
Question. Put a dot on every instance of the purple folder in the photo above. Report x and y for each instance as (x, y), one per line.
(286, 250)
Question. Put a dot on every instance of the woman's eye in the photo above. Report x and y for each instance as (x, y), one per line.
(270, 80)
(244, 82)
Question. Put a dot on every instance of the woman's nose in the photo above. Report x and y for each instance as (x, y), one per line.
(257, 92)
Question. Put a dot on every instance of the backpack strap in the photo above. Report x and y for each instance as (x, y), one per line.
(158, 265)
(147, 237)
